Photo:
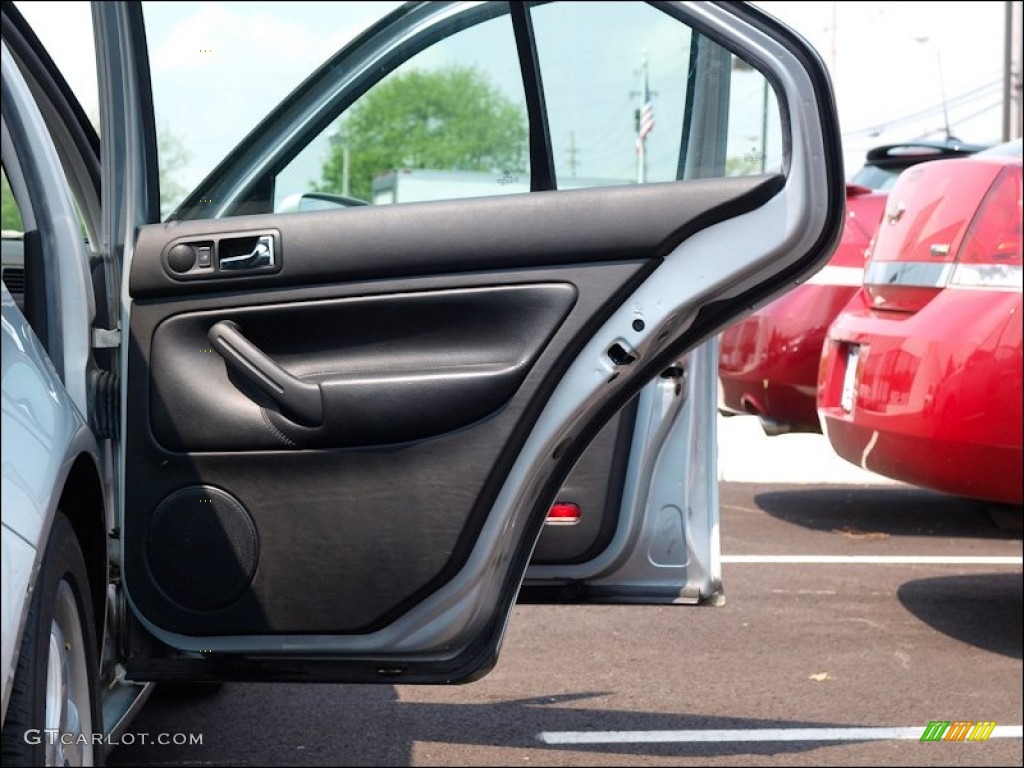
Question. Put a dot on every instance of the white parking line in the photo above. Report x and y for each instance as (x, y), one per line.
(879, 559)
(913, 733)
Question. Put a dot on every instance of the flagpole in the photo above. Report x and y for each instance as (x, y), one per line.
(641, 138)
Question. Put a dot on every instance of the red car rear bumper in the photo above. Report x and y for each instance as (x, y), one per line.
(936, 395)
(768, 362)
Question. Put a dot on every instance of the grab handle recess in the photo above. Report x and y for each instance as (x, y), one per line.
(301, 401)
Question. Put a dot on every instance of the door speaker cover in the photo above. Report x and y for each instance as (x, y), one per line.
(202, 548)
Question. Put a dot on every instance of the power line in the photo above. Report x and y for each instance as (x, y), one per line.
(964, 119)
(981, 112)
(919, 115)
(968, 96)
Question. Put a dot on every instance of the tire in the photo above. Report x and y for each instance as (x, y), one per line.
(55, 679)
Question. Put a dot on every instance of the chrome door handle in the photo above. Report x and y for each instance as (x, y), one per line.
(262, 256)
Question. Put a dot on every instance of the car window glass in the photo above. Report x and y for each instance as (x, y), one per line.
(448, 123)
(65, 31)
(873, 177)
(617, 96)
(13, 270)
(28, 287)
(9, 213)
(218, 68)
(631, 94)
(755, 128)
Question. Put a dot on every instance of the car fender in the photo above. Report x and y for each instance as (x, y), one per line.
(43, 436)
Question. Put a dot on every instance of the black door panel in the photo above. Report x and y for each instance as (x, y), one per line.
(389, 369)
(345, 538)
(238, 520)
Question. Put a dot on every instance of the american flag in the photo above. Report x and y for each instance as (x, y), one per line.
(646, 123)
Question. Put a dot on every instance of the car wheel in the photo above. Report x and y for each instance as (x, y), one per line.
(53, 711)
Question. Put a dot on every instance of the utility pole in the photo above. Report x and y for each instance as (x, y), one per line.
(1012, 72)
(764, 125)
(340, 138)
(572, 151)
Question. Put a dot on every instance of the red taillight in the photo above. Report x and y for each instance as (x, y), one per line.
(991, 252)
(563, 513)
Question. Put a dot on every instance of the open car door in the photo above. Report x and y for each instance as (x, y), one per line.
(344, 425)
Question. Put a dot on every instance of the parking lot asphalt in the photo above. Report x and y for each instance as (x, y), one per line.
(857, 611)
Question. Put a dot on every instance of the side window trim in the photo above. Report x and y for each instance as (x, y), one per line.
(703, 155)
(688, 104)
(542, 161)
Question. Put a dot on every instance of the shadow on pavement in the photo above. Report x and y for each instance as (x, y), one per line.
(356, 725)
(892, 511)
(983, 610)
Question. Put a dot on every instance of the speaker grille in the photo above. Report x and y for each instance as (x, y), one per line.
(202, 548)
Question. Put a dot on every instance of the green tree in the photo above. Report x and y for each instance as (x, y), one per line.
(172, 157)
(450, 119)
(11, 218)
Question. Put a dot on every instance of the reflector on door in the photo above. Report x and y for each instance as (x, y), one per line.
(563, 513)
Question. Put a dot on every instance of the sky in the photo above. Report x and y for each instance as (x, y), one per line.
(893, 65)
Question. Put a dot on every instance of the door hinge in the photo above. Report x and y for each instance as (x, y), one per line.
(106, 338)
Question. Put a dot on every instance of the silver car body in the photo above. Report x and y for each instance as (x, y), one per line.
(44, 434)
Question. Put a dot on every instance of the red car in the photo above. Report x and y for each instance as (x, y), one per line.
(768, 362)
(920, 376)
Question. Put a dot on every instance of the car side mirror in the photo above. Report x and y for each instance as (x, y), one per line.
(318, 201)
